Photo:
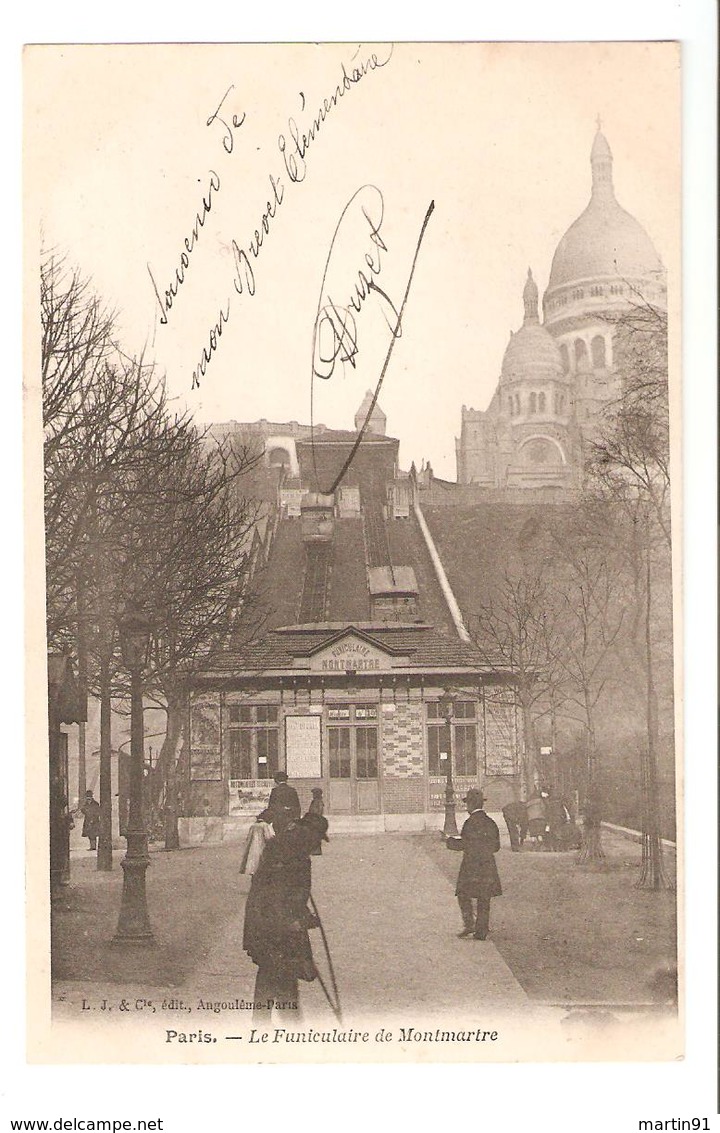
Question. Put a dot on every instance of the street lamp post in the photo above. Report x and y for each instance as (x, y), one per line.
(450, 824)
(134, 921)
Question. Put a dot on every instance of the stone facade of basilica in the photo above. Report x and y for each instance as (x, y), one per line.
(557, 375)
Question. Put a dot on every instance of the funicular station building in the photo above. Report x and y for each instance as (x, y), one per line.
(343, 687)
(371, 576)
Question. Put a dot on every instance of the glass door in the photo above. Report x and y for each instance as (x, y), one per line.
(353, 766)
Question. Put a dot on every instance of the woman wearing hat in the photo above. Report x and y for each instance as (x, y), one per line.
(317, 806)
(478, 879)
(277, 918)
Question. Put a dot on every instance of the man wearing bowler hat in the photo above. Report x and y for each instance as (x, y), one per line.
(283, 805)
(478, 879)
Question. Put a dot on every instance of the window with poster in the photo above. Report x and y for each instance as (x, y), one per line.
(253, 740)
(464, 739)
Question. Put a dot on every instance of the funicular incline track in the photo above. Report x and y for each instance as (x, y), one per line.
(313, 601)
(377, 546)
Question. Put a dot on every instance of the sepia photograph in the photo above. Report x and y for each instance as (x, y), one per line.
(354, 523)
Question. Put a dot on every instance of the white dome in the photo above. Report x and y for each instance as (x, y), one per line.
(605, 240)
(532, 352)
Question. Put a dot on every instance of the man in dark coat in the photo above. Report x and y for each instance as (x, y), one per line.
(478, 879)
(283, 805)
(91, 819)
(277, 918)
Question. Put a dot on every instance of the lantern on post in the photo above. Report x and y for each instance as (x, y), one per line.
(134, 922)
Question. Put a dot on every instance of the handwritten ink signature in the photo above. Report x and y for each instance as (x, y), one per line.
(170, 293)
(294, 156)
(335, 335)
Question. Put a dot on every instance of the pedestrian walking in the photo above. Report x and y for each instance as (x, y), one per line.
(478, 879)
(283, 805)
(277, 919)
(516, 820)
(91, 820)
(317, 806)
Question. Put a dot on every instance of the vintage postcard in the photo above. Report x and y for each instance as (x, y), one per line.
(352, 403)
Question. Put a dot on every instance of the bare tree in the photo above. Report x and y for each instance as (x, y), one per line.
(192, 556)
(516, 629)
(588, 626)
(628, 467)
(631, 457)
(138, 504)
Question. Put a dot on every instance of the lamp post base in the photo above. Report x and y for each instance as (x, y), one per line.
(134, 921)
(450, 829)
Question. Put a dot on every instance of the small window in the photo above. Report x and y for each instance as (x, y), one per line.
(366, 712)
(464, 710)
(533, 403)
(241, 714)
(267, 714)
(541, 403)
(598, 352)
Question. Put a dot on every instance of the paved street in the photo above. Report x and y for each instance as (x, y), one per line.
(390, 916)
(559, 934)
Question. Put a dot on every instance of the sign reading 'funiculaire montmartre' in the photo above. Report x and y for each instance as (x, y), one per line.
(354, 655)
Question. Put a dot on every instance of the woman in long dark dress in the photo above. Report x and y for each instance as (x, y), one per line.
(317, 806)
(277, 918)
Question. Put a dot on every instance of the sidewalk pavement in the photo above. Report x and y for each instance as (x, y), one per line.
(391, 919)
(579, 963)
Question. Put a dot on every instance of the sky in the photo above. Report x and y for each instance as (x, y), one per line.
(123, 153)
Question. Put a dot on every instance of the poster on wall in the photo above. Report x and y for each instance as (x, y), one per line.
(205, 751)
(303, 748)
(248, 796)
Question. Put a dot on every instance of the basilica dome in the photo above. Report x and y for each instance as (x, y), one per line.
(532, 352)
(605, 240)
